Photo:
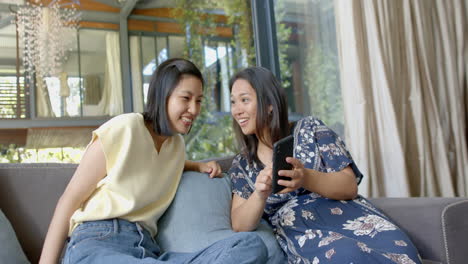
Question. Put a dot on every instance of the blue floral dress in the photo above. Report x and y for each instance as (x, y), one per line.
(314, 229)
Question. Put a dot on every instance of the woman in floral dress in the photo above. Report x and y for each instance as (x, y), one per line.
(318, 217)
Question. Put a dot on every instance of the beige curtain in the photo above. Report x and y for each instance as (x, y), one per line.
(403, 76)
(64, 92)
(113, 79)
(43, 105)
(111, 102)
(93, 90)
(136, 70)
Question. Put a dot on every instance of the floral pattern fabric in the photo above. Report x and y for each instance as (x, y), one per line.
(314, 229)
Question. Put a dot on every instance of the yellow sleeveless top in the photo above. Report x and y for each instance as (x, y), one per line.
(140, 182)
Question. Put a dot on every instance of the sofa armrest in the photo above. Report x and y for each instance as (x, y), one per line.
(437, 226)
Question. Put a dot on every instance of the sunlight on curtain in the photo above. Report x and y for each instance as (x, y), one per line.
(111, 102)
(43, 105)
(402, 69)
(136, 71)
(114, 75)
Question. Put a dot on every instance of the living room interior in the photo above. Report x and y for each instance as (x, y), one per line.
(390, 77)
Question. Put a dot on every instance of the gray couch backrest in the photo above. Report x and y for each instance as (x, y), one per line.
(28, 196)
(29, 193)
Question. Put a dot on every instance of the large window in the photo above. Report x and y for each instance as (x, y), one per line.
(13, 96)
(207, 138)
(218, 40)
(306, 34)
(218, 57)
(100, 70)
(216, 36)
(65, 95)
(86, 86)
(90, 82)
(154, 50)
(217, 63)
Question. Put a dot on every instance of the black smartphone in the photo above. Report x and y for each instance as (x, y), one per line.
(282, 149)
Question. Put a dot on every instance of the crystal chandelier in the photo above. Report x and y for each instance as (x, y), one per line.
(47, 33)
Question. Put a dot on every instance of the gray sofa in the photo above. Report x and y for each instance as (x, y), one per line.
(29, 193)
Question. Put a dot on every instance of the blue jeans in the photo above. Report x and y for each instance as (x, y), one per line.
(119, 241)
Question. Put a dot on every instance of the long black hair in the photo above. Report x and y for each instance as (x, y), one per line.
(163, 81)
(269, 93)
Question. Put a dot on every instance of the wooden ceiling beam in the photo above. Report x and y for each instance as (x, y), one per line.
(90, 5)
(98, 25)
(13, 136)
(168, 12)
(152, 26)
(165, 12)
(94, 7)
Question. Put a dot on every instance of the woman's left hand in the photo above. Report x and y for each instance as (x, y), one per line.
(297, 175)
(212, 168)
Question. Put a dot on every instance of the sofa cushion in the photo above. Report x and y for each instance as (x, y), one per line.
(435, 225)
(10, 249)
(200, 216)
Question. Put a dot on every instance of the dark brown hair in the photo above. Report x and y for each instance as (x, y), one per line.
(269, 93)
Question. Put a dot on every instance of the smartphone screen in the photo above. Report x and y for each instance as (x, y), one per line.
(282, 149)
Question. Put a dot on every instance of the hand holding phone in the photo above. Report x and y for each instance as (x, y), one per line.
(282, 149)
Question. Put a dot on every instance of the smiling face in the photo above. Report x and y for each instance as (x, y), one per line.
(244, 106)
(183, 105)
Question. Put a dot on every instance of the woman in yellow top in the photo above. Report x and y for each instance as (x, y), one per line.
(128, 177)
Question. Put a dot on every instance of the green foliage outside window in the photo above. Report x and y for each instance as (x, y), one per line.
(324, 87)
(239, 17)
(320, 71)
(211, 135)
(14, 154)
(283, 32)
